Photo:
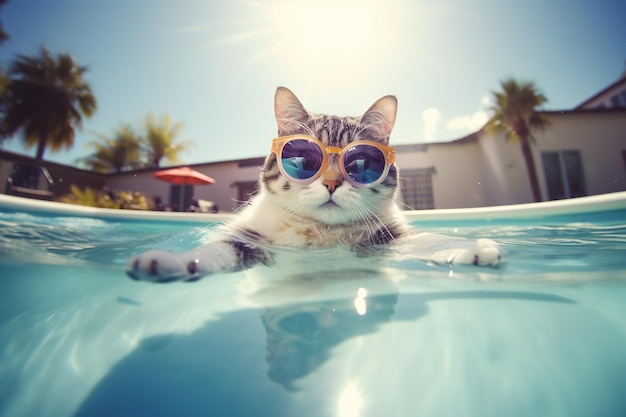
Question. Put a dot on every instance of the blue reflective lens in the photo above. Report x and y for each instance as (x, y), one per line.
(301, 158)
(364, 164)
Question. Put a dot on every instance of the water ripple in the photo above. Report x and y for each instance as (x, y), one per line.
(528, 246)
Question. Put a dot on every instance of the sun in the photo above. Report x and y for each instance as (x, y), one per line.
(324, 40)
(328, 28)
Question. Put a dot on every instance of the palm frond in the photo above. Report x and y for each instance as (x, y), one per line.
(46, 100)
(516, 109)
(161, 140)
(117, 154)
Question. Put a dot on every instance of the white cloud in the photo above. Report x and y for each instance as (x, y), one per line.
(470, 123)
(431, 117)
(433, 120)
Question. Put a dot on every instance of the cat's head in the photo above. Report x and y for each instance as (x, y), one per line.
(333, 197)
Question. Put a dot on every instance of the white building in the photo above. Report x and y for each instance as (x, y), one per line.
(612, 97)
(581, 152)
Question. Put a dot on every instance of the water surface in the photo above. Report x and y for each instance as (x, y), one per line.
(319, 334)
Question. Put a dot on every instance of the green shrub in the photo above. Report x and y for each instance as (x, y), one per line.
(132, 200)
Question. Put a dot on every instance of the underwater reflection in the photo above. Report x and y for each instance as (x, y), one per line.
(237, 365)
(300, 336)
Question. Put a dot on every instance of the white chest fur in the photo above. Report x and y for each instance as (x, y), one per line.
(292, 230)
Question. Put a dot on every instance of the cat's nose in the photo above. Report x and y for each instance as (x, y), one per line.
(331, 185)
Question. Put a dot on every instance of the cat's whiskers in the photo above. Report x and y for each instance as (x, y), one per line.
(374, 220)
(364, 217)
(307, 129)
(354, 130)
(404, 205)
(289, 213)
(292, 212)
(365, 127)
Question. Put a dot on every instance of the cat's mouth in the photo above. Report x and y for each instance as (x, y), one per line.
(330, 204)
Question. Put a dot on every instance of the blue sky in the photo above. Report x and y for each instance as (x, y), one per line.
(213, 65)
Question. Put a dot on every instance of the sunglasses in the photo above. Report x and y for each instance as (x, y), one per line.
(303, 159)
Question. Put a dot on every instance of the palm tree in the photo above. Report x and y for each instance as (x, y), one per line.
(160, 141)
(121, 153)
(516, 113)
(3, 35)
(45, 100)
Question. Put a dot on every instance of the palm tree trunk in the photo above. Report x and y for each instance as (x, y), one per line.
(41, 146)
(530, 167)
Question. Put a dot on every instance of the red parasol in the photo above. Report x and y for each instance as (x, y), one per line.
(184, 176)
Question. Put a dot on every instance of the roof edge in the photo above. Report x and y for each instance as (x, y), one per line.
(601, 92)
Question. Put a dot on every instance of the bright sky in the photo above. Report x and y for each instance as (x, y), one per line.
(214, 64)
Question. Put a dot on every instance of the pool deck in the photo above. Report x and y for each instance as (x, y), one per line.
(581, 205)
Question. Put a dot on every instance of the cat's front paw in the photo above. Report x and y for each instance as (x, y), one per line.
(481, 252)
(162, 266)
(165, 266)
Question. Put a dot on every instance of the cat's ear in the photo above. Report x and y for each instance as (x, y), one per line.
(290, 113)
(381, 117)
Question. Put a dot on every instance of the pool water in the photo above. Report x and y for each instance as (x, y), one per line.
(319, 334)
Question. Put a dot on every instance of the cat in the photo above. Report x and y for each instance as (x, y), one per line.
(329, 181)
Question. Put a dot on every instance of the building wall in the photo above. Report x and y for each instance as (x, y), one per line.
(63, 176)
(458, 180)
(488, 170)
(223, 192)
(600, 136)
(613, 97)
(505, 174)
(481, 171)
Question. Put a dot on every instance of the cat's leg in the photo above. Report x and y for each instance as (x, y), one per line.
(220, 256)
(447, 250)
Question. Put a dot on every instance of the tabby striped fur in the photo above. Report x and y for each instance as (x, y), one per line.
(289, 214)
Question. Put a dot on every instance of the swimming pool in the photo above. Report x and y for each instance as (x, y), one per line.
(321, 334)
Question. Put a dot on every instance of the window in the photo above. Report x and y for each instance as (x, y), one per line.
(176, 202)
(30, 181)
(33, 177)
(616, 101)
(564, 174)
(416, 186)
(245, 190)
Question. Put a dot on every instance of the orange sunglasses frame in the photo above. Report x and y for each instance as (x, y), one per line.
(388, 152)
